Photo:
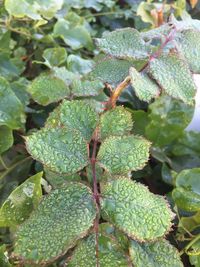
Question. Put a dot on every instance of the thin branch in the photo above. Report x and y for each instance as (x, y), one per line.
(3, 163)
(117, 92)
(190, 244)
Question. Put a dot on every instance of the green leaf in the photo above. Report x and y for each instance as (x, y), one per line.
(11, 109)
(76, 115)
(189, 46)
(78, 64)
(4, 257)
(33, 9)
(123, 43)
(21, 202)
(47, 88)
(168, 118)
(63, 217)
(76, 36)
(57, 180)
(86, 88)
(190, 223)
(145, 88)
(117, 122)
(140, 121)
(54, 56)
(159, 253)
(174, 77)
(109, 230)
(109, 253)
(187, 193)
(6, 138)
(19, 87)
(61, 150)
(119, 155)
(136, 211)
(111, 70)
(188, 143)
(186, 200)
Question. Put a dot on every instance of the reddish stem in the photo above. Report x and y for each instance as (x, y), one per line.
(95, 194)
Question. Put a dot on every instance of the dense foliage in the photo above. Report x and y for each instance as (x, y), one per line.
(96, 167)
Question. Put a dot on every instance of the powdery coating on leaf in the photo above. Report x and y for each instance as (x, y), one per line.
(110, 255)
(135, 210)
(188, 43)
(80, 116)
(111, 70)
(61, 150)
(87, 88)
(124, 43)
(158, 254)
(47, 88)
(21, 202)
(119, 155)
(117, 121)
(174, 76)
(145, 88)
(62, 218)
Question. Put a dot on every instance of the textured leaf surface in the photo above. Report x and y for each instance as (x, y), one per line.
(189, 46)
(47, 88)
(111, 70)
(21, 202)
(109, 253)
(61, 150)
(119, 155)
(79, 116)
(62, 218)
(117, 121)
(158, 254)
(6, 138)
(57, 180)
(87, 88)
(132, 208)
(11, 109)
(124, 43)
(145, 88)
(174, 76)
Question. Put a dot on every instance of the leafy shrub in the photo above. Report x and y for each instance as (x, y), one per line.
(84, 205)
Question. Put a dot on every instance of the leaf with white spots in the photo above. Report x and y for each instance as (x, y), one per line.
(136, 211)
(157, 254)
(109, 253)
(124, 43)
(189, 46)
(117, 122)
(63, 217)
(48, 88)
(77, 115)
(145, 88)
(21, 202)
(61, 150)
(122, 154)
(174, 77)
